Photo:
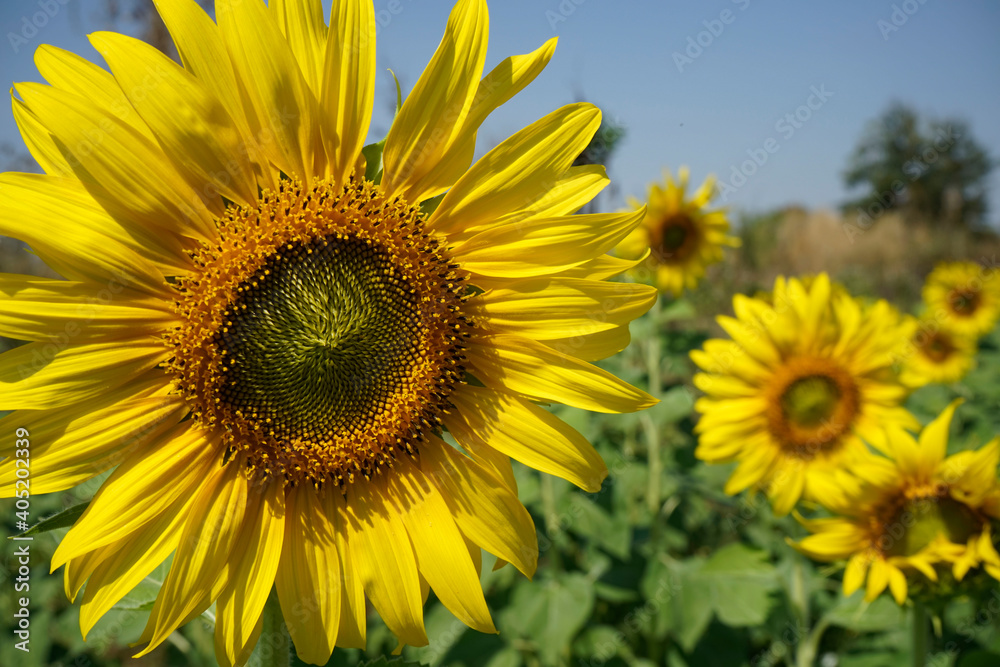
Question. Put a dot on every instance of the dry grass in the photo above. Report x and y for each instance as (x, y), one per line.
(890, 258)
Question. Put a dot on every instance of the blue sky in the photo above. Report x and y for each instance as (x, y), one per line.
(703, 84)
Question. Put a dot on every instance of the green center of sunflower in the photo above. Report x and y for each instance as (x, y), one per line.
(323, 334)
(674, 240)
(811, 401)
(920, 521)
(964, 301)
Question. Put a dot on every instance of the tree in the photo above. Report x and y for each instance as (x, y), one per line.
(933, 171)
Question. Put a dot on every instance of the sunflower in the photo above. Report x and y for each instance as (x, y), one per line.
(914, 513)
(933, 353)
(804, 383)
(965, 296)
(267, 331)
(684, 237)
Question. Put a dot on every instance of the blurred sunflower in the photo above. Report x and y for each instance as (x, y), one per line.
(912, 514)
(683, 236)
(933, 353)
(804, 383)
(266, 329)
(965, 295)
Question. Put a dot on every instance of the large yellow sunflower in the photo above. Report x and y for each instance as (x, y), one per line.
(804, 383)
(933, 353)
(965, 296)
(915, 513)
(682, 235)
(266, 334)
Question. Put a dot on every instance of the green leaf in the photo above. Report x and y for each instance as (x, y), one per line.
(979, 659)
(733, 585)
(63, 519)
(676, 404)
(739, 581)
(550, 612)
(855, 614)
(373, 161)
(601, 642)
(590, 520)
(391, 662)
(671, 311)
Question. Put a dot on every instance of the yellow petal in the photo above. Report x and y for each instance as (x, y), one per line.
(430, 121)
(878, 579)
(602, 268)
(255, 555)
(347, 90)
(383, 557)
(204, 54)
(934, 439)
(118, 163)
(130, 561)
(548, 308)
(190, 123)
(523, 366)
(78, 445)
(785, 488)
(199, 571)
(69, 72)
(505, 81)
(353, 612)
(274, 84)
(80, 239)
(544, 246)
(527, 433)
(441, 551)
(897, 585)
(125, 502)
(41, 309)
(518, 172)
(854, 574)
(308, 577)
(37, 376)
(594, 346)
(484, 509)
(302, 24)
(39, 141)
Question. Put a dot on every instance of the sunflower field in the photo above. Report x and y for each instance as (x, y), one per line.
(275, 394)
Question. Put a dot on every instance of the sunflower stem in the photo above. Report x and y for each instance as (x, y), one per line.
(920, 635)
(652, 433)
(274, 648)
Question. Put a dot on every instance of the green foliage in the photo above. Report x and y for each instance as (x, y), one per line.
(931, 170)
(63, 519)
(691, 578)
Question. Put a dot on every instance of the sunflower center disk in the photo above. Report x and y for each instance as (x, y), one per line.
(323, 335)
(937, 347)
(674, 240)
(812, 405)
(964, 301)
(811, 401)
(920, 521)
